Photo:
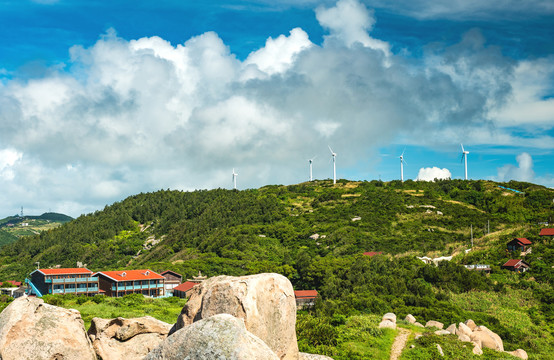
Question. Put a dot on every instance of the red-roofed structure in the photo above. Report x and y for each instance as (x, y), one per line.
(78, 281)
(122, 282)
(183, 290)
(11, 283)
(519, 244)
(172, 279)
(516, 265)
(547, 232)
(373, 253)
(305, 298)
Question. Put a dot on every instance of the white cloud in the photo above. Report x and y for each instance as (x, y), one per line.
(8, 158)
(349, 22)
(432, 173)
(522, 172)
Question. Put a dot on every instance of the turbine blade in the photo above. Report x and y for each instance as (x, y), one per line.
(462, 145)
(332, 152)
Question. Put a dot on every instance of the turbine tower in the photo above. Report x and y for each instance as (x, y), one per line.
(334, 155)
(464, 157)
(402, 161)
(311, 161)
(234, 179)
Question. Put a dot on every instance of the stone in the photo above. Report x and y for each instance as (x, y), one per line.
(464, 338)
(387, 324)
(390, 316)
(477, 349)
(443, 332)
(418, 324)
(126, 339)
(410, 319)
(470, 324)
(305, 356)
(412, 346)
(265, 301)
(440, 350)
(452, 329)
(463, 329)
(432, 323)
(520, 353)
(221, 336)
(487, 338)
(33, 330)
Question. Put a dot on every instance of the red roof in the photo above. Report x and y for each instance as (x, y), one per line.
(524, 241)
(130, 275)
(305, 294)
(373, 253)
(11, 282)
(512, 262)
(547, 232)
(186, 286)
(66, 271)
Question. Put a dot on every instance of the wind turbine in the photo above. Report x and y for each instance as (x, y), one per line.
(402, 161)
(234, 179)
(464, 157)
(334, 155)
(311, 161)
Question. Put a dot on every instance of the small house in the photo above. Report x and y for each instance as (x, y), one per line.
(305, 298)
(123, 282)
(479, 267)
(516, 265)
(172, 279)
(547, 233)
(183, 290)
(519, 244)
(372, 253)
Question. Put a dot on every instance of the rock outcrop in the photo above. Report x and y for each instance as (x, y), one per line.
(410, 319)
(487, 338)
(31, 329)
(220, 336)
(522, 354)
(126, 339)
(265, 301)
(305, 356)
(463, 329)
(388, 321)
(432, 323)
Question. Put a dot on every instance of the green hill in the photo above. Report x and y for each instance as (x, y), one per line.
(316, 233)
(13, 227)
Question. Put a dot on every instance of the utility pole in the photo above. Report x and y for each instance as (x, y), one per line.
(471, 236)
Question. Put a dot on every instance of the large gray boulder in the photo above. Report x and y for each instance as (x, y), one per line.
(433, 323)
(33, 330)
(305, 356)
(487, 338)
(265, 301)
(221, 337)
(126, 339)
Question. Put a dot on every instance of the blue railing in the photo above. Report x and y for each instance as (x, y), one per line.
(71, 280)
(37, 291)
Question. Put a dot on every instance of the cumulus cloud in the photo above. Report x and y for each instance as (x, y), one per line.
(522, 172)
(125, 116)
(432, 173)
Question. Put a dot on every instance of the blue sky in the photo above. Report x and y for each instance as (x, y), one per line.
(100, 100)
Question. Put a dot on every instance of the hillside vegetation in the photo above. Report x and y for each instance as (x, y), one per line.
(316, 233)
(13, 227)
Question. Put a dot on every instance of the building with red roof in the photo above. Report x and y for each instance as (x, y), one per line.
(547, 232)
(516, 265)
(172, 279)
(78, 281)
(373, 253)
(305, 298)
(183, 290)
(519, 244)
(123, 282)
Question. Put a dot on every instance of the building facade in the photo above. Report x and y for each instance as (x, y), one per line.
(125, 282)
(172, 280)
(78, 281)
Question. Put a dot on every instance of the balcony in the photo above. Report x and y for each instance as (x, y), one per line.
(137, 287)
(71, 280)
(74, 290)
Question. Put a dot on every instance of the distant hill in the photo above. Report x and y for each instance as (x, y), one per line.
(16, 226)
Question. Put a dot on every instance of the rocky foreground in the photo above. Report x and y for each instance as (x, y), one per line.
(249, 317)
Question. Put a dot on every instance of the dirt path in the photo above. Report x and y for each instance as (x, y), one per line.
(399, 343)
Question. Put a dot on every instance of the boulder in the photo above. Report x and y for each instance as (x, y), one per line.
(443, 332)
(387, 324)
(418, 324)
(432, 323)
(470, 324)
(522, 354)
(305, 356)
(126, 339)
(410, 319)
(265, 301)
(31, 329)
(477, 349)
(463, 329)
(440, 350)
(220, 336)
(464, 338)
(390, 317)
(452, 329)
(487, 338)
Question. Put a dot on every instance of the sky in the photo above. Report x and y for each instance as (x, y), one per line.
(102, 100)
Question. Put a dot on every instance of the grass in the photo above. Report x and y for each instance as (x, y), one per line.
(130, 306)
